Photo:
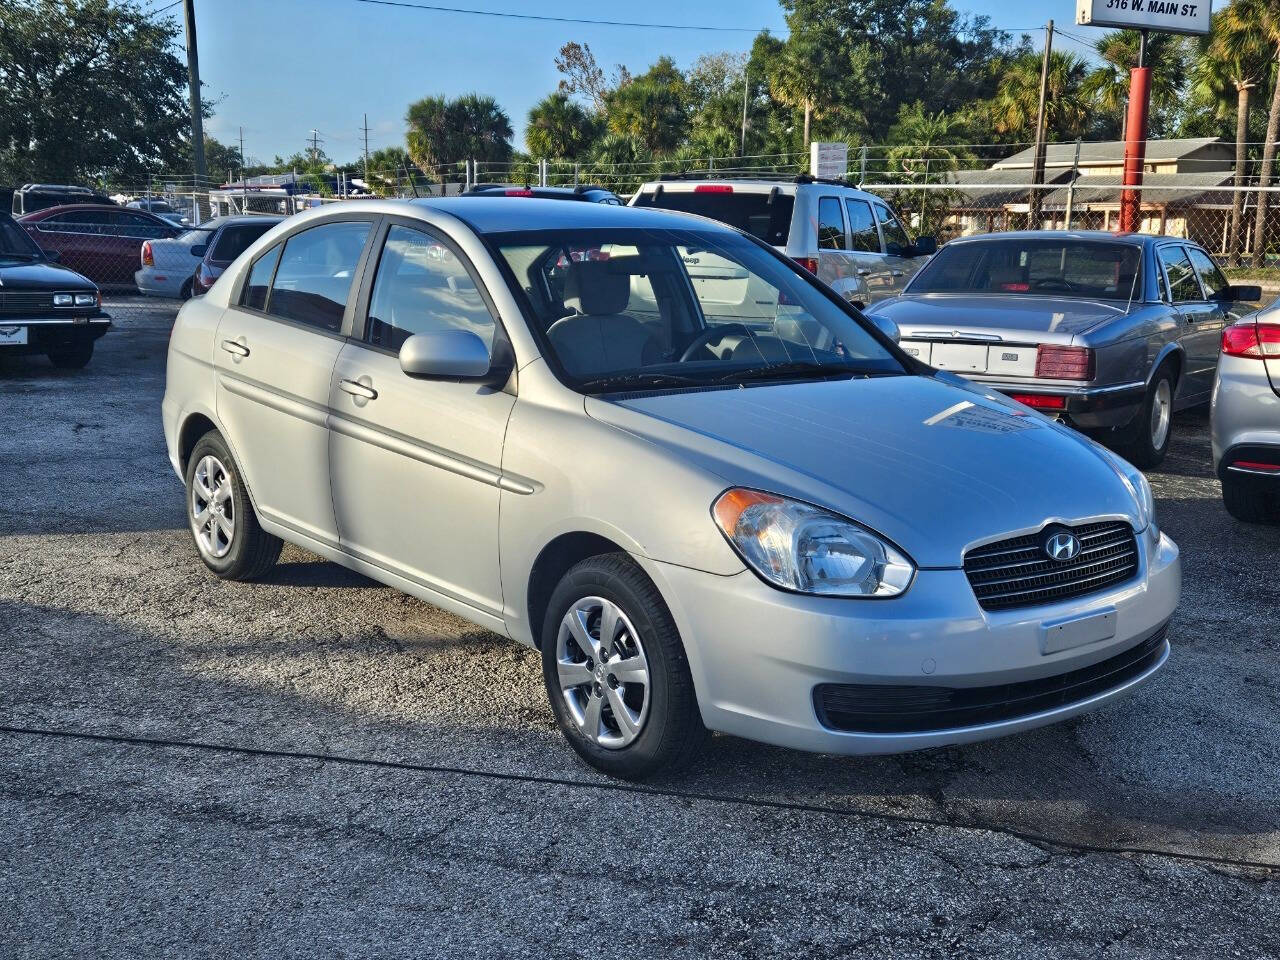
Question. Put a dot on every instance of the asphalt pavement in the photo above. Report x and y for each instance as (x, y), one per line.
(317, 765)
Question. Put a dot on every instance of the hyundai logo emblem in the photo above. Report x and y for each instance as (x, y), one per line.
(1061, 546)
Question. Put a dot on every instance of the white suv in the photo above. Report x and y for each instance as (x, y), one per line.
(850, 238)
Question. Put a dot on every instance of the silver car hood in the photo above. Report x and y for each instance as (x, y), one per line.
(936, 467)
(1046, 319)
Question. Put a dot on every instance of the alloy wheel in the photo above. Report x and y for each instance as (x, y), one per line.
(212, 507)
(1161, 414)
(603, 672)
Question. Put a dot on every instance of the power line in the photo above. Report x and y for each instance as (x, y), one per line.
(437, 8)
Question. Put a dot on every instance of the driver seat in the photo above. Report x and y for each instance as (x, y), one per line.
(598, 338)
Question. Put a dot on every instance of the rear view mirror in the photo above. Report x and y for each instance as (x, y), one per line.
(445, 355)
(926, 246)
(1241, 293)
(199, 250)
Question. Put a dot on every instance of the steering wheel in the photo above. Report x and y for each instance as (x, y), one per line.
(1053, 283)
(710, 335)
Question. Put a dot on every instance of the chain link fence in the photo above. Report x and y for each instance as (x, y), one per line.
(143, 243)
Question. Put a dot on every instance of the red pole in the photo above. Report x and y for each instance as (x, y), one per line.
(1135, 149)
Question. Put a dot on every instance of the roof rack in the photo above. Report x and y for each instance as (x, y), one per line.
(755, 175)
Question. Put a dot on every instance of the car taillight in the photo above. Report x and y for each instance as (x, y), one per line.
(713, 188)
(148, 258)
(1040, 401)
(809, 263)
(1254, 340)
(1064, 363)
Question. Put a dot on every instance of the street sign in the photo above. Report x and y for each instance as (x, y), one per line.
(1166, 16)
(829, 160)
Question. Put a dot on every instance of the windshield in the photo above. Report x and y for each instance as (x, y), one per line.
(765, 214)
(14, 242)
(1090, 269)
(635, 309)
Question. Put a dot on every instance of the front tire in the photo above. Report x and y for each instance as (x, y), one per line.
(220, 515)
(1145, 441)
(1251, 499)
(72, 356)
(616, 672)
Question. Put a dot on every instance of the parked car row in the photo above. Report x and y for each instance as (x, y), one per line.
(188, 264)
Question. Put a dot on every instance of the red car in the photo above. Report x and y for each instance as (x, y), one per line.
(101, 242)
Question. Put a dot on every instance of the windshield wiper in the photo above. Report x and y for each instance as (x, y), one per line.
(796, 368)
(15, 255)
(620, 380)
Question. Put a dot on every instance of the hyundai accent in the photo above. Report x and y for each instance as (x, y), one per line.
(765, 519)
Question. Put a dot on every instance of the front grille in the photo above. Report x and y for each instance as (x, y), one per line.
(18, 301)
(1018, 573)
(874, 708)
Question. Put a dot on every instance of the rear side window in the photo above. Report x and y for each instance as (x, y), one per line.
(1183, 285)
(233, 241)
(830, 224)
(255, 290)
(1210, 276)
(315, 273)
(895, 237)
(862, 229)
(763, 215)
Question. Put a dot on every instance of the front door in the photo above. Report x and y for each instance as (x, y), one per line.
(415, 463)
(897, 244)
(276, 352)
(1200, 324)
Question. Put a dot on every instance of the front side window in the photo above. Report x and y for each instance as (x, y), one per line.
(1033, 267)
(14, 241)
(422, 287)
(862, 228)
(662, 309)
(255, 289)
(830, 224)
(315, 274)
(1210, 276)
(1183, 285)
(896, 240)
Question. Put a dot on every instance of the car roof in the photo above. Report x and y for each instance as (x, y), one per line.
(64, 207)
(500, 215)
(500, 189)
(1132, 239)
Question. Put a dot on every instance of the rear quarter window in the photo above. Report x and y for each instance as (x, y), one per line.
(763, 215)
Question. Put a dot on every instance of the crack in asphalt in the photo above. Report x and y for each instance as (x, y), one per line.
(1261, 869)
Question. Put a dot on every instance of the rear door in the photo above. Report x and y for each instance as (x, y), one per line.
(276, 351)
(1200, 323)
(864, 247)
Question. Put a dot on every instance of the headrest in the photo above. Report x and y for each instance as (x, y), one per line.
(596, 290)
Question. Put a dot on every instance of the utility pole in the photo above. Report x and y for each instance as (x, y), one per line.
(244, 178)
(365, 128)
(1036, 199)
(1135, 140)
(744, 111)
(193, 82)
(315, 145)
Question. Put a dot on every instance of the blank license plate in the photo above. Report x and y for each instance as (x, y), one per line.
(961, 357)
(12, 336)
(1059, 635)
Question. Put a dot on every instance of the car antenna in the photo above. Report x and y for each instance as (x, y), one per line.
(1136, 274)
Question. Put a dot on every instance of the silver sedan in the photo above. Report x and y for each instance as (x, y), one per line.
(1246, 417)
(772, 523)
(1111, 334)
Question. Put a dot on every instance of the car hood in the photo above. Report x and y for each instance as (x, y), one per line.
(40, 275)
(1055, 318)
(934, 465)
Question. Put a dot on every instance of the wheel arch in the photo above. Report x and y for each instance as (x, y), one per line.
(1172, 354)
(194, 426)
(555, 560)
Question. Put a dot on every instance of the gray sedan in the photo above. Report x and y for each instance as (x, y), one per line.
(1111, 334)
(772, 523)
(1246, 418)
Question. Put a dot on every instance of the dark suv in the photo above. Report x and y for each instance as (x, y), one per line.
(31, 197)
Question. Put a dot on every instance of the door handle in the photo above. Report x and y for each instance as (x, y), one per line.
(864, 272)
(357, 389)
(898, 273)
(235, 347)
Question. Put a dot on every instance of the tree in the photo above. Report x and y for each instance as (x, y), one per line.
(558, 128)
(1068, 110)
(651, 108)
(927, 148)
(222, 161)
(583, 77)
(88, 89)
(1108, 84)
(391, 169)
(1231, 61)
(443, 131)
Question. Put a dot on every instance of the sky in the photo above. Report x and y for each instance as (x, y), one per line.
(279, 68)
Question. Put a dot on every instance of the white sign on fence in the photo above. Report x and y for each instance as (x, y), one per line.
(1167, 16)
(829, 160)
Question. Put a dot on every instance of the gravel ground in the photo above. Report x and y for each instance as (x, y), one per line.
(317, 765)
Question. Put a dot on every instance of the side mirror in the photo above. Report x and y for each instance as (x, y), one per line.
(926, 246)
(887, 326)
(53, 256)
(1241, 293)
(199, 250)
(445, 355)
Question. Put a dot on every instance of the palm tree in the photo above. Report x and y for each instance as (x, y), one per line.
(560, 129)
(1017, 99)
(1108, 85)
(1263, 16)
(796, 80)
(1233, 58)
(445, 131)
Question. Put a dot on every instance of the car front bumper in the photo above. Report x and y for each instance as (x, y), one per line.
(757, 653)
(43, 333)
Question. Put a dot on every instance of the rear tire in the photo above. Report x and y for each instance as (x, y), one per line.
(220, 515)
(1251, 499)
(1145, 441)
(590, 672)
(185, 292)
(72, 356)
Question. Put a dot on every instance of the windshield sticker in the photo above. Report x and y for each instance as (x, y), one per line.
(968, 415)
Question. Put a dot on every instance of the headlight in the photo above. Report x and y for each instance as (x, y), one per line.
(62, 299)
(800, 547)
(1140, 487)
(86, 299)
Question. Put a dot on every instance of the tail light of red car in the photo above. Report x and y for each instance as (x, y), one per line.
(1256, 341)
(1064, 363)
(809, 263)
(148, 257)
